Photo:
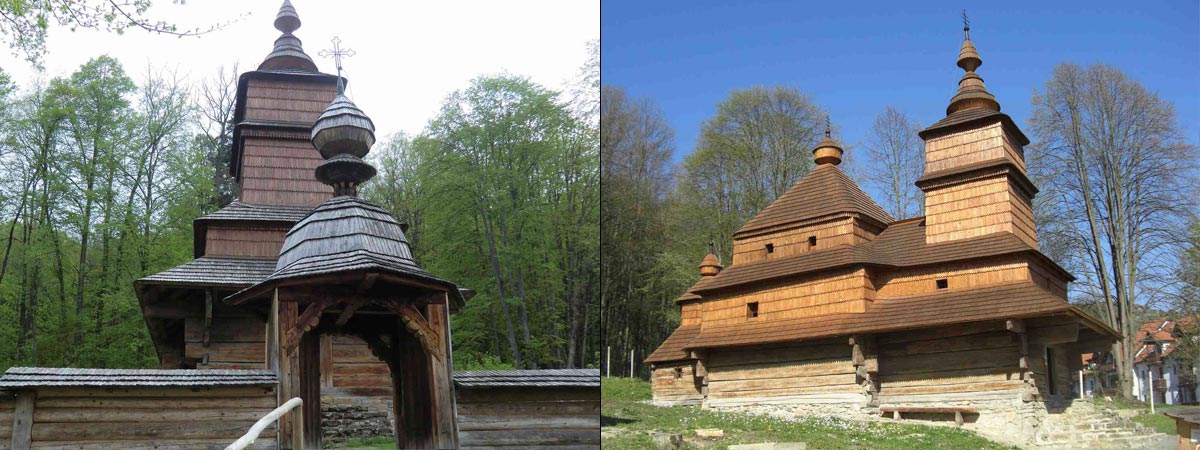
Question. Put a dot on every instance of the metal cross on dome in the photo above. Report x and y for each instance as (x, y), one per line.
(337, 53)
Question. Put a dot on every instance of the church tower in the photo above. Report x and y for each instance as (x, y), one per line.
(273, 156)
(975, 182)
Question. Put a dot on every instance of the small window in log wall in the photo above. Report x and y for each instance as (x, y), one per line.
(678, 373)
(752, 310)
(770, 248)
(812, 242)
(943, 283)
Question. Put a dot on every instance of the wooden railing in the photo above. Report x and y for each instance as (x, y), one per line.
(263, 423)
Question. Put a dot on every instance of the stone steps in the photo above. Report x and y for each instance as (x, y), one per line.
(1083, 425)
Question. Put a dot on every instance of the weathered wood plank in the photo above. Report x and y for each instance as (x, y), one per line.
(530, 437)
(22, 423)
(519, 424)
(199, 391)
(258, 402)
(139, 415)
(136, 431)
(265, 443)
(781, 369)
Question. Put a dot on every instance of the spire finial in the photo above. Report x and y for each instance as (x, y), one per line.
(712, 246)
(288, 52)
(337, 53)
(827, 151)
(966, 25)
(287, 20)
(971, 92)
(828, 127)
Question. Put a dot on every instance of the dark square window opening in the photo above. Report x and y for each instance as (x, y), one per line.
(752, 310)
(812, 241)
(943, 283)
(770, 248)
(678, 373)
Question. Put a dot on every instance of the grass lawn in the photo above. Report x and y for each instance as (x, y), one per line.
(1157, 420)
(627, 423)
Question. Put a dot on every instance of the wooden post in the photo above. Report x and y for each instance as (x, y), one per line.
(411, 391)
(442, 384)
(866, 364)
(326, 360)
(22, 431)
(310, 390)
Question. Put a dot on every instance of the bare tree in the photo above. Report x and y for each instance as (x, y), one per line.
(896, 159)
(1120, 173)
(216, 97)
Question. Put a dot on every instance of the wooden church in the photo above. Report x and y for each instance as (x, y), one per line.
(832, 307)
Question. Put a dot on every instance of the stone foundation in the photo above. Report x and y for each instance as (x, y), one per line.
(345, 418)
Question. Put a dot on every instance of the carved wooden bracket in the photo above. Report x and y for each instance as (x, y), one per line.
(307, 320)
(416, 324)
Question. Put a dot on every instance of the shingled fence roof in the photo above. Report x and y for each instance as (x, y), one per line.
(218, 271)
(25, 377)
(528, 378)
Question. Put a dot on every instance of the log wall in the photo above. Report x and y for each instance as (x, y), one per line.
(7, 402)
(237, 339)
(251, 241)
(845, 290)
(816, 369)
(529, 418)
(353, 369)
(147, 417)
(676, 382)
(947, 365)
(841, 230)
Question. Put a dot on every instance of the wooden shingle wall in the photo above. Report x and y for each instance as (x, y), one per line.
(689, 314)
(145, 417)
(965, 275)
(280, 172)
(977, 207)
(287, 101)
(939, 366)
(244, 240)
(840, 230)
(812, 371)
(529, 417)
(237, 339)
(846, 290)
(675, 382)
(971, 146)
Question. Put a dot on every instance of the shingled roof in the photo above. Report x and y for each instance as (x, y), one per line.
(547, 378)
(1004, 301)
(966, 118)
(672, 349)
(258, 213)
(901, 244)
(22, 377)
(824, 191)
(215, 271)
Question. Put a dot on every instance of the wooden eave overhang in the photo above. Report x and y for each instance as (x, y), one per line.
(999, 302)
(673, 349)
(977, 171)
(244, 214)
(972, 118)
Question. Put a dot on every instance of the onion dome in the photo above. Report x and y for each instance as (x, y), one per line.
(827, 151)
(971, 91)
(711, 265)
(288, 52)
(343, 135)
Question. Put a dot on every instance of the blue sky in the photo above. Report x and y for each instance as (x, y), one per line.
(855, 58)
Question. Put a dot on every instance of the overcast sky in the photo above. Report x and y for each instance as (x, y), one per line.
(409, 54)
